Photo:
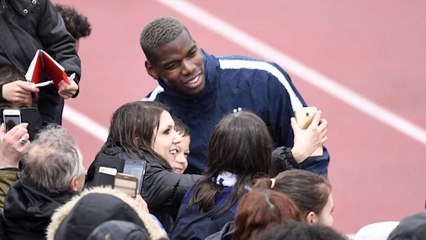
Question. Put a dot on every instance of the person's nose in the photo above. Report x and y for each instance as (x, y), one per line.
(188, 67)
(179, 159)
(177, 138)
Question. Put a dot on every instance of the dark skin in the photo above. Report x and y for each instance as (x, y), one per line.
(179, 64)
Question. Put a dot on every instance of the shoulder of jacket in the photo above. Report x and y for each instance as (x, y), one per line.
(154, 94)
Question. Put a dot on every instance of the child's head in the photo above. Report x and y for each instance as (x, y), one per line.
(181, 161)
(311, 192)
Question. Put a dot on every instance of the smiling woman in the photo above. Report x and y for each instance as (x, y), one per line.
(144, 131)
(165, 138)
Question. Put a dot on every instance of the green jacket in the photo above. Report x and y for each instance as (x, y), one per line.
(8, 176)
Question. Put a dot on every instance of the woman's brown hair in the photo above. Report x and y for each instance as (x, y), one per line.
(308, 190)
(260, 210)
(239, 144)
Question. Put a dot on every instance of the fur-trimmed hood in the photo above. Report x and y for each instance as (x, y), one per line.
(82, 214)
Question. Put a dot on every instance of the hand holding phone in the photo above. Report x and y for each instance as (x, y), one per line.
(11, 118)
(304, 117)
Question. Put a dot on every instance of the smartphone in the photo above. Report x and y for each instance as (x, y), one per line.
(126, 183)
(135, 167)
(11, 118)
(304, 117)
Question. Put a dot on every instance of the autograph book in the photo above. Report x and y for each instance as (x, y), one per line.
(43, 63)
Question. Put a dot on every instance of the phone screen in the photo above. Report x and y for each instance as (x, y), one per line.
(135, 168)
(126, 183)
(11, 120)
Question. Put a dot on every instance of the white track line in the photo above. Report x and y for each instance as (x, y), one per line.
(85, 123)
(256, 46)
(304, 72)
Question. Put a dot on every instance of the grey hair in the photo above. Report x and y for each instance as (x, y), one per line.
(53, 159)
(159, 32)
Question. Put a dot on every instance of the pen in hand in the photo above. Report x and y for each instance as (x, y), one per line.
(72, 77)
(42, 84)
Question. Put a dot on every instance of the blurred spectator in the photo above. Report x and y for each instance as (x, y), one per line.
(53, 173)
(78, 218)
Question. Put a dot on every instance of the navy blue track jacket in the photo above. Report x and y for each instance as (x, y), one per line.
(233, 82)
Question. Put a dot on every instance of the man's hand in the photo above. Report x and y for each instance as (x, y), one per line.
(13, 144)
(67, 90)
(19, 92)
(306, 141)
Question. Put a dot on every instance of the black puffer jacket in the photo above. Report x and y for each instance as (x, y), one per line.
(28, 209)
(162, 189)
(28, 25)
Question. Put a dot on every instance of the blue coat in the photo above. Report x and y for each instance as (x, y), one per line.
(234, 82)
(193, 224)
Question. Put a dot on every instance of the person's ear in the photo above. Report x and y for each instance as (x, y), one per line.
(74, 184)
(151, 70)
(137, 142)
(311, 217)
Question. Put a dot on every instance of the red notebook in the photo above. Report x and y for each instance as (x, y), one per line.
(44, 63)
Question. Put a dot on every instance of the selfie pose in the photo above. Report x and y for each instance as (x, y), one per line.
(201, 88)
(144, 131)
